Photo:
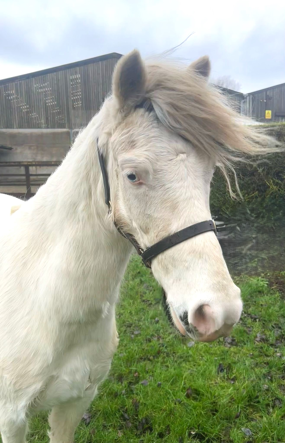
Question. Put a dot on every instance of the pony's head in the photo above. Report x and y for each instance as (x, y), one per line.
(162, 132)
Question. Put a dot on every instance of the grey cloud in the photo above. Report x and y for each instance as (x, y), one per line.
(257, 61)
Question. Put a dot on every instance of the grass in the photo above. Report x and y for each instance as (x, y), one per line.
(273, 124)
(163, 388)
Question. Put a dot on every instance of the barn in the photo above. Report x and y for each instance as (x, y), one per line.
(40, 114)
(266, 105)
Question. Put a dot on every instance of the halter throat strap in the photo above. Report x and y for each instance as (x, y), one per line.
(166, 243)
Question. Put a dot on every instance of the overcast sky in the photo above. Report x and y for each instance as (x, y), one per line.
(244, 39)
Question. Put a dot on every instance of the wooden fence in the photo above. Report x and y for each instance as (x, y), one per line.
(29, 156)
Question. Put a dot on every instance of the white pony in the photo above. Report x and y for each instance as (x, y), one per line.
(161, 133)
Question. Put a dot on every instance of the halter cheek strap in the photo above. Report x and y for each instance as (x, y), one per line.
(105, 178)
(164, 244)
(107, 192)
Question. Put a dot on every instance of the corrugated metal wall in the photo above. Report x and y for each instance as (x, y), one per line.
(270, 99)
(65, 97)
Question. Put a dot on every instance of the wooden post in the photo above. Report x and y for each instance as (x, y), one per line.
(28, 181)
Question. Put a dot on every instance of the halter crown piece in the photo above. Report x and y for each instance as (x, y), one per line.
(166, 243)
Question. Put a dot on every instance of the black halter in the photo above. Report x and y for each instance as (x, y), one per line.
(164, 244)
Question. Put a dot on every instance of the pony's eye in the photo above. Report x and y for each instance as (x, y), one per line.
(132, 177)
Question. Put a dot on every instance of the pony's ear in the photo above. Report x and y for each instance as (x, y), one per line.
(129, 80)
(202, 66)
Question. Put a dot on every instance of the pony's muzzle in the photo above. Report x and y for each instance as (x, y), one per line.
(205, 323)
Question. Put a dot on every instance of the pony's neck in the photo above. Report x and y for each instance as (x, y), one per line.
(75, 217)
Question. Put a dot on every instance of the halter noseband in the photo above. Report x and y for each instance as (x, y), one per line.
(166, 243)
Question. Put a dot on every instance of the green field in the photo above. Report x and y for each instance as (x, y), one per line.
(164, 388)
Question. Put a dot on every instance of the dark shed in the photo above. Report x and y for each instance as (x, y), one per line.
(266, 105)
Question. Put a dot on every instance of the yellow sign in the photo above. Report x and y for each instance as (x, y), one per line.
(268, 114)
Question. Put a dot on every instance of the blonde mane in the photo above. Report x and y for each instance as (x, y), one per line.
(188, 105)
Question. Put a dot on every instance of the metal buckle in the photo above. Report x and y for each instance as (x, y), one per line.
(146, 263)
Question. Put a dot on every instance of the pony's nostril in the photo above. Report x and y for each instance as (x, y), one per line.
(204, 319)
(200, 312)
(184, 318)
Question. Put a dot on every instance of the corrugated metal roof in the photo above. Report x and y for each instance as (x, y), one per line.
(265, 89)
(61, 68)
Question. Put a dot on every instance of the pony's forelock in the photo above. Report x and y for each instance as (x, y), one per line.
(188, 105)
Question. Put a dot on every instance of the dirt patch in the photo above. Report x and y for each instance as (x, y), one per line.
(276, 281)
